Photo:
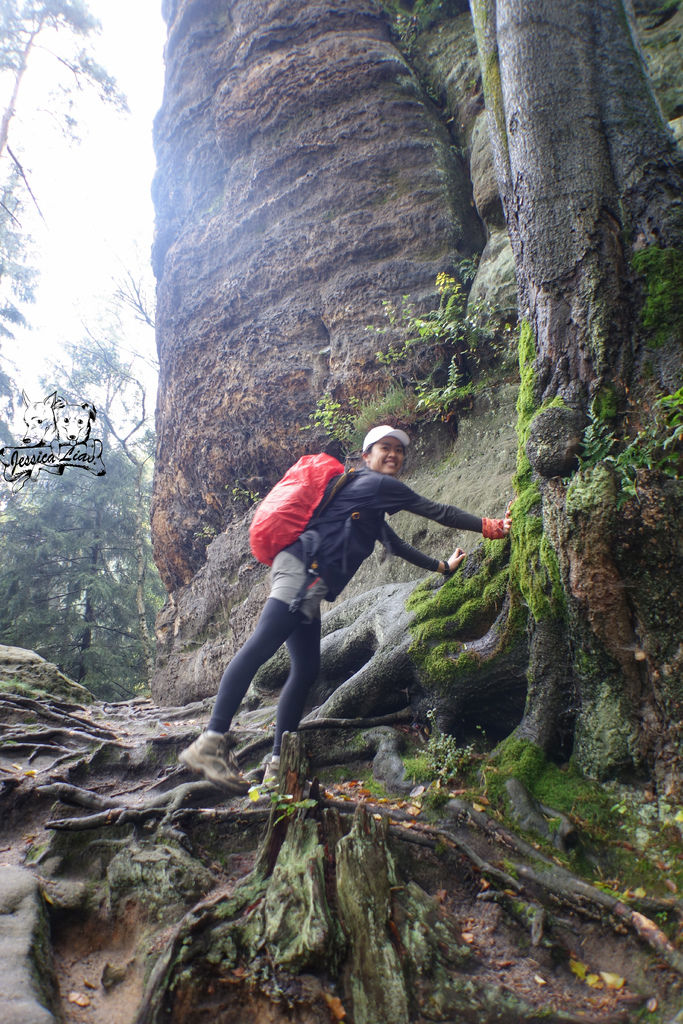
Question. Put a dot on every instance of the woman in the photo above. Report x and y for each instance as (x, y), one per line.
(347, 530)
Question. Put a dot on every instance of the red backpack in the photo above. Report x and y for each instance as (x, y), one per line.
(286, 511)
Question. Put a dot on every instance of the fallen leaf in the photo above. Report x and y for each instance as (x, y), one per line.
(79, 998)
(478, 807)
(671, 885)
(336, 1006)
(89, 984)
(614, 981)
(593, 980)
(417, 791)
(651, 1005)
(408, 824)
(639, 893)
(413, 809)
(467, 937)
(539, 980)
(31, 772)
(253, 793)
(578, 968)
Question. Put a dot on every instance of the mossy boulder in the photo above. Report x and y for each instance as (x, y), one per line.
(26, 672)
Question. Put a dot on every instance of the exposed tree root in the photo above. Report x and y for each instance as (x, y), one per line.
(320, 896)
(308, 724)
(299, 914)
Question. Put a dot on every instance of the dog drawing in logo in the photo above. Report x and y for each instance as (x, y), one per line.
(74, 422)
(39, 419)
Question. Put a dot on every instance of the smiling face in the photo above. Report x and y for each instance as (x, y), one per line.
(385, 456)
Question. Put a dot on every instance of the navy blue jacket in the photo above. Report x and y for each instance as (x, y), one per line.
(350, 525)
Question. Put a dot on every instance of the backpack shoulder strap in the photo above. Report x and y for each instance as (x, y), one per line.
(337, 484)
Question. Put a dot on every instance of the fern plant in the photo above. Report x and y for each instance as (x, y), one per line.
(439, 349)
(657, 447)
(598, 440)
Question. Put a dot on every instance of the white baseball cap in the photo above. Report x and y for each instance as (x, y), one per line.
(377, 433)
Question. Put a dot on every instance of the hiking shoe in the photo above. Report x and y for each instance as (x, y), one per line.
(211, 756)
(271, 775)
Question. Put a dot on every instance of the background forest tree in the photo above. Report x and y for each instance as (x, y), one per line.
(55, 36)
(78, 584)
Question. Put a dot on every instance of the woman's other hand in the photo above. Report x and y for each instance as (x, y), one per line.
(455, 559)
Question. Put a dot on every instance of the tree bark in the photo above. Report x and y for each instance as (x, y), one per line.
(589, 176)
(584, 161)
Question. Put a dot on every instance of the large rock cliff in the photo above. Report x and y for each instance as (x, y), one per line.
(304, 176)
(314, 159)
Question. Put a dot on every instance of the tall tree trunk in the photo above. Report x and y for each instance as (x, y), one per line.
(589, 176)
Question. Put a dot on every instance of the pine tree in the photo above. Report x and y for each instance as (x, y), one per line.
(77, 582)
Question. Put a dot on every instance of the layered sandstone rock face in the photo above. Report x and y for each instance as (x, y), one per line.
(304, 176)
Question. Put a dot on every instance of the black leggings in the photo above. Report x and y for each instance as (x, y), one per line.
(276, 626)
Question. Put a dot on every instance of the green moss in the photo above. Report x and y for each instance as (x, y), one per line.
(564, 789)
(534, 568)
(605, 402)
(417, 767)
(592, 491)
(463, 607)
(527, 567)
(435, 800)
(662, 310)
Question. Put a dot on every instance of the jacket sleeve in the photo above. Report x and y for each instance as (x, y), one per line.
(397, 497)
(395, 545)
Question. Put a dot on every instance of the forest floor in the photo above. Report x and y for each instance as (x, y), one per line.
(79, 786)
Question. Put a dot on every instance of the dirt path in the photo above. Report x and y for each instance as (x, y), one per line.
(116, 891)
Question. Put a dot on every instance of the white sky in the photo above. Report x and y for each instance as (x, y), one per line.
(94, 195)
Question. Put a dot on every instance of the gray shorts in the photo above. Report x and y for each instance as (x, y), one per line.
(286, 578)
